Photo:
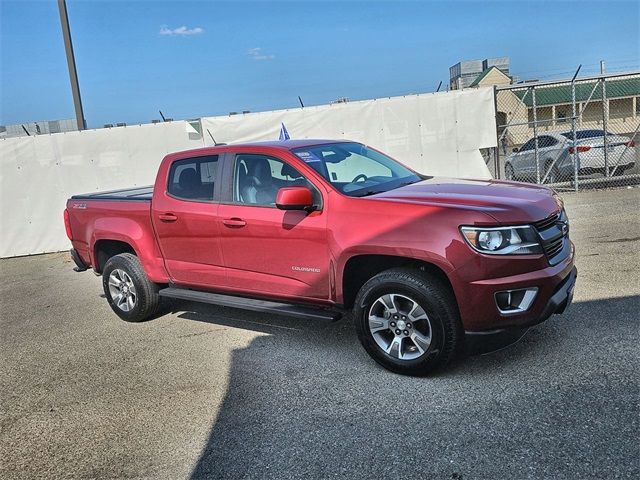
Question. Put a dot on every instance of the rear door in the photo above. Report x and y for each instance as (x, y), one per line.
(185, 218)
(268, 251)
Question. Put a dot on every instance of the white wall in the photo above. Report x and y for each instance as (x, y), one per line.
(438, 134)
(39, 173)
(434, 133)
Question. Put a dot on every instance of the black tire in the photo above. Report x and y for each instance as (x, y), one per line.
(147, 301)
(509, 174)
(434, 298)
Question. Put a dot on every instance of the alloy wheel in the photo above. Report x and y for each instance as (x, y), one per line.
(122, 290)
(400, 326)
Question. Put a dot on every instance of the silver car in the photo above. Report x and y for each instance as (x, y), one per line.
(556, 156)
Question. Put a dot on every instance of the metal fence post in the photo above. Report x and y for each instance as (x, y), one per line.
(605, 125)
(496, 160)
(535, 133)
(573, 133)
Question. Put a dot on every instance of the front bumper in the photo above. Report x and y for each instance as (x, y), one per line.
(489, 340)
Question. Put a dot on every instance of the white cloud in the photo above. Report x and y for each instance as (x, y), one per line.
(180, 31)
(256, 54)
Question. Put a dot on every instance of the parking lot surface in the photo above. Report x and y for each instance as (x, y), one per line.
(213, 392)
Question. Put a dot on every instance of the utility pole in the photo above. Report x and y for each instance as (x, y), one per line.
(71, 63)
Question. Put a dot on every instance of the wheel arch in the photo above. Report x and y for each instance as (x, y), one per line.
(361, 267)
(104, 249)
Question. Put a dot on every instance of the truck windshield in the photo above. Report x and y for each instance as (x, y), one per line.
(356, 170)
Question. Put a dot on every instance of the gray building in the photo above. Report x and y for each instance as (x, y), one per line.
(38, 128)
(463, 74)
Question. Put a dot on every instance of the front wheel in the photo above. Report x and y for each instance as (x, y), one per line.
(408, 321)
(131, 295)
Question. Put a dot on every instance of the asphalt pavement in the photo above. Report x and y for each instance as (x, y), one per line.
(213, 392)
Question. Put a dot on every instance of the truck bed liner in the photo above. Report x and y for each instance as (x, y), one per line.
(138, 193)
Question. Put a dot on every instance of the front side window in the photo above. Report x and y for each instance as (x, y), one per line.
(193, 178)
(356, 170)
(257, 179)
(528, 146)
(546, 141)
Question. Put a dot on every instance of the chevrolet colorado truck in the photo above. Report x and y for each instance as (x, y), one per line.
(317, 228)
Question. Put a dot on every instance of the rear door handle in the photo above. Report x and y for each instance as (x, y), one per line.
(167, 217)
(234, 222)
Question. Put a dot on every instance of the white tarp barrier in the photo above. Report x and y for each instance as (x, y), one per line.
(437, 134)
(39, 173)
(434, 133)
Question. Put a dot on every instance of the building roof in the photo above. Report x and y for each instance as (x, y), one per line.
(558, 94)
(485, 72)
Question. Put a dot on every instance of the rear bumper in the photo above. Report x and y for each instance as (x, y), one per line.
(489, 340)
(594, 159)
(80, 265)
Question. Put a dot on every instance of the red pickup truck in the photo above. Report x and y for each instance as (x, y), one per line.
(315, 228)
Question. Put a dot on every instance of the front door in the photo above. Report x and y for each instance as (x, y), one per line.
(522, 160)
(185, 218)
(268, 251)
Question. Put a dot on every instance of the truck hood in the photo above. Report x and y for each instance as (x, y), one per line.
(506, 202)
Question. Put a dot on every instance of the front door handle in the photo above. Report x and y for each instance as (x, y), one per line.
(167, 217)
(234, 222)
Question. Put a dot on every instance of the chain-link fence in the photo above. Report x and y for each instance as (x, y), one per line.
(571, 134)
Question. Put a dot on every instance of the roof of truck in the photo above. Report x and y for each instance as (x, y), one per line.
(280, 144)
(288, 144)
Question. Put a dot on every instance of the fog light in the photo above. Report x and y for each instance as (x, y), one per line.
(515, 301)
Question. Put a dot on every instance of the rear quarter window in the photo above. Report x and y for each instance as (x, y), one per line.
(193, 178)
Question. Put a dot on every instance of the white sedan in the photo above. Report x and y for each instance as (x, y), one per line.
(556, 155)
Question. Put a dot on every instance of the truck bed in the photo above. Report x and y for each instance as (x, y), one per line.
(143, 194)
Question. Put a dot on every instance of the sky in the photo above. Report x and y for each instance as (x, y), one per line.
(192, 59)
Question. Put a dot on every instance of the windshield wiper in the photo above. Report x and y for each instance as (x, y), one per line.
(369, 192)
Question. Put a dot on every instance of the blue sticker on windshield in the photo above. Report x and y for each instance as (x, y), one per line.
(308, 157)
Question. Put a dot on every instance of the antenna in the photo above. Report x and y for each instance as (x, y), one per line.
(214, 140)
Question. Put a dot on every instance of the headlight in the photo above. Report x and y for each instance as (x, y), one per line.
(503, 240)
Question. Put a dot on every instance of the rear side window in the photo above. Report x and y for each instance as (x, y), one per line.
(193, 178)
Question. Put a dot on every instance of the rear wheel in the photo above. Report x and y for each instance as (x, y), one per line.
(128, 290)
(408, 321)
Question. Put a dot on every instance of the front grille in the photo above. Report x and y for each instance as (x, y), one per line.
(547, 222)
(553, 238)
(552, 249)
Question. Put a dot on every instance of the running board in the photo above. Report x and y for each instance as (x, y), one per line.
(243, 303)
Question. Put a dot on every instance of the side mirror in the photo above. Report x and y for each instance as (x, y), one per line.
(294, 198)
(515, 150)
